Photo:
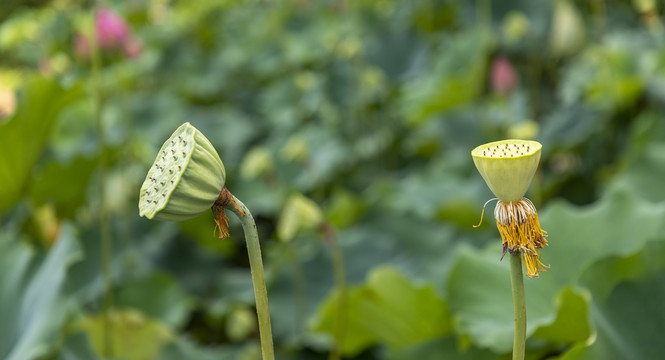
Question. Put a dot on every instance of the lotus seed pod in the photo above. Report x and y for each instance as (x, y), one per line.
(300, 214)
(185, 179)
(507, 166)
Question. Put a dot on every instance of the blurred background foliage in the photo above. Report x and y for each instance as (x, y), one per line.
(359, 115)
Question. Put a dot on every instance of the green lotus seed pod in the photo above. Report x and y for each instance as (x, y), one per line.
(508, 166)
(185, 179)
(300, 214)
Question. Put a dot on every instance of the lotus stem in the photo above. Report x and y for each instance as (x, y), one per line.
(106, 239)
(519, 306)
(341, 286)
(256, 267)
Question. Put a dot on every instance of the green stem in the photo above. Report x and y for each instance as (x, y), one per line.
(484, 14)
(600, 14)
(104, 226)
(256, 267)
(519, 305)
(299, 289)
(340, 284)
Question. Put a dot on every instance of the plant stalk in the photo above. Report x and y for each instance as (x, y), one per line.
(300, 290)
(519, 306)
(341, 287)
(104, 217)
(256, 267)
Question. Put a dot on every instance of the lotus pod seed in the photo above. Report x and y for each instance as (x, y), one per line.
(507, 166)
(193, 187)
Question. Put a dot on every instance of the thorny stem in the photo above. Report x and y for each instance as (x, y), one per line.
(519, 305)
(340, 284)
(230, 202)
(104, 226)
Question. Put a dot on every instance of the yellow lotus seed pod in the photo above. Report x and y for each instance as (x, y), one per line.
(185, 179)
(507, 166)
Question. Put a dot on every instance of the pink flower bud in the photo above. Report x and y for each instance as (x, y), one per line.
(504, 78)
(133, 47)
(81, 46)
(112, 30)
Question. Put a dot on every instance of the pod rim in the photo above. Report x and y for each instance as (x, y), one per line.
(151, 210)
(528, 148)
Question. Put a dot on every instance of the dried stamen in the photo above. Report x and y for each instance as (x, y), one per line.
(520, 231)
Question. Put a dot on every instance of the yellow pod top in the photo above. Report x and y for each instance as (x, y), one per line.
(508, 166)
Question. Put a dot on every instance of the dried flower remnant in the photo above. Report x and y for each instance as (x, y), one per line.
(508, 167)
(520, 231)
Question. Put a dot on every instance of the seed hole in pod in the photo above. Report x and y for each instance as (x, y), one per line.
(183, 154)
(163, 195)
(171, 181)
(170, 171)
(162, 183)
(155, 188)
(179, 168)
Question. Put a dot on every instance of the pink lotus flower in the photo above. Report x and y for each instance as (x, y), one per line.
(113, 34)
(112, 30)
(504, 78)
